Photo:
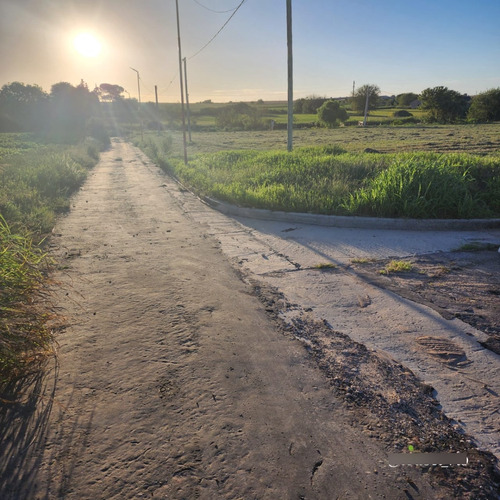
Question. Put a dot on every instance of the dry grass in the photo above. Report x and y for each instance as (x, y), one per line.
(481, 139)
(24, 335)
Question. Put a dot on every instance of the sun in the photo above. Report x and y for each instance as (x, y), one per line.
(87, 45)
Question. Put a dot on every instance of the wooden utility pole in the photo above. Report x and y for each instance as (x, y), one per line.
(158, 126)
(187, 100)
(366, 105)
(182, 83)
(290, 73)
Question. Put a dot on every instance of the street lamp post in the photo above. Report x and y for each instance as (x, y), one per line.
(139, 93)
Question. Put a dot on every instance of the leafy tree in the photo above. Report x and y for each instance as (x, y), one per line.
(444, 105)
(297, 106)
(485, 107)
(309, 105)
(406, 99)
(358, 100)
(239, 116)
(71, 108)
(330, 113)
(23, 108)
(110, 92)
(63, 115)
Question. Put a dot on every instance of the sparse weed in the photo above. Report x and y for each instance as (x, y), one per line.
(397, 266)
(325, 265)
(362, 260)
(444, 270)
(476, 246)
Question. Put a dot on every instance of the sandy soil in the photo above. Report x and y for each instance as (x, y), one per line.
(176, 376)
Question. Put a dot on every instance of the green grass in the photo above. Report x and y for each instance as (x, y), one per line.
(397, 266)
(23, 331)
(15, 144)
(363, 260)
(308, 180)
(36, 181)
(477, 246)
(431, 186)
(203, 115)
(386, 116)
(325, 265)
(328, 180)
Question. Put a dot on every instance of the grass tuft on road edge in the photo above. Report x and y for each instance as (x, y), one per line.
(397, 266)
(35, 185)
(23, 331)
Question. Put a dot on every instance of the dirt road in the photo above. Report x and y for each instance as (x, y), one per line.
(173, 379)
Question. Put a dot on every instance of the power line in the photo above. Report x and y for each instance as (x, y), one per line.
(212, 10)
(171, 81)
(223, 26)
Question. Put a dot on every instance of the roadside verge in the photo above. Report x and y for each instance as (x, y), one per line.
(353, 222)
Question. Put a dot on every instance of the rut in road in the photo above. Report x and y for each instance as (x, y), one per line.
(171, 380)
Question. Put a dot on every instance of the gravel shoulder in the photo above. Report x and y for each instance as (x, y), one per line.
(177, 374)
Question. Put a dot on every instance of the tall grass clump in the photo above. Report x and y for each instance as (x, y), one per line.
(430, 186)
(36, 181)
(23, 331)
(328, 180)
(307, 180)
(158, 149)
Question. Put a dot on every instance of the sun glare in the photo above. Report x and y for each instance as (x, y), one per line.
(87, 45)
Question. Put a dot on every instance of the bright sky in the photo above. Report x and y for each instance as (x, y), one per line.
(399, 45)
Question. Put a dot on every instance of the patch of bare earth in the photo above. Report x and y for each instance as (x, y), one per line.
(388, 403)
(464, 285)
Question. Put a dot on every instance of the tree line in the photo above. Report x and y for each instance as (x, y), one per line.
(67, 113)
(443, 105)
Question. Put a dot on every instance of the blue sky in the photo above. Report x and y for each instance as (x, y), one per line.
(399, 45)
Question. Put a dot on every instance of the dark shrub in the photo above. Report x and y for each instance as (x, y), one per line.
(401, 113)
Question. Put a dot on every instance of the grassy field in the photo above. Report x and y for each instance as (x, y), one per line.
(36, 180)
(421, 172)
(481, 139)
(203, 115)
